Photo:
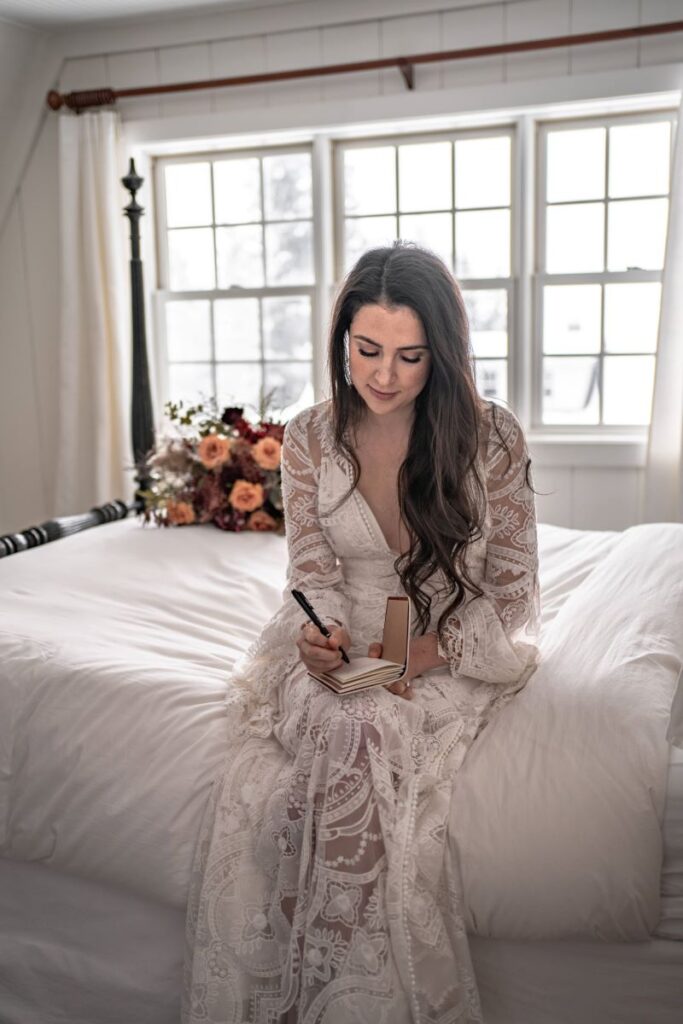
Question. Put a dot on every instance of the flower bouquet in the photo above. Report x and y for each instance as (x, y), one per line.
(218, 468)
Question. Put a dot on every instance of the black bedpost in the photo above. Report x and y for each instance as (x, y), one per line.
(142, 420)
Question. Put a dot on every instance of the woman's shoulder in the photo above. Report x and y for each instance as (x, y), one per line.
(500, 422)
(506, 447)
(311, 429)
(314, 417)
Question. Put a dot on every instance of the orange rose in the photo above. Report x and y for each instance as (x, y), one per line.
(266, 453)
(180, 513)
(261, 521)
(246, 497)
(213, 450)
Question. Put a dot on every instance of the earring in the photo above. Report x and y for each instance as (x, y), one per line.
(347, 365)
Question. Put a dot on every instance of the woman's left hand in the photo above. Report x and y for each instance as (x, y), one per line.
(401, 687)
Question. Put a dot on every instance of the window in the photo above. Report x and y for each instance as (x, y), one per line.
(602, 218)
(559, 261)
(452, 194)
(237, 275)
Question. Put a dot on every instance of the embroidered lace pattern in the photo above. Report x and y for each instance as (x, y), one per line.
(326, 888)
(493, 637)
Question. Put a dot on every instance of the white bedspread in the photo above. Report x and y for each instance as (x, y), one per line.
(115, 652)
(115, 648)
(576, 765)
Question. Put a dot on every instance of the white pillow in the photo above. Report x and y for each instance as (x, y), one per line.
(557, 808)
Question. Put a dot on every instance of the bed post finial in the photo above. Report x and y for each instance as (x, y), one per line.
(142, 420)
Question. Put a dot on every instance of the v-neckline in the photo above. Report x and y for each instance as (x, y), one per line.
(375, 524)
(370, 517)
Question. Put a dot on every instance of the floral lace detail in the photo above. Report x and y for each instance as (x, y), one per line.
(325, 887)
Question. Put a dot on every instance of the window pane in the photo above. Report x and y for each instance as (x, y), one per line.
(492, 378)
(487, 314)
(482, 244)
(639, 159)
(239, 253)
(239, 384)
(628, 389)
(425, 176)
(637, 234)
(289, 253)
(632, 316)
(576, 165)
(431, 230)
(287, 186)
(190, 260)
(236, 329)
(188, 333)
(570, 390)
(366, 233)
(370, 180)
(287, 328)
(571, 318)
(575, 238)
(292, 387)
(237, 187)
(188, 195)
(482, 172)
(191, 382)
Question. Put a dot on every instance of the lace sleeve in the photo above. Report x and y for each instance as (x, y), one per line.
(494, 637)
(313, 566)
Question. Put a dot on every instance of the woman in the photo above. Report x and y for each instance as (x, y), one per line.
(325, 887)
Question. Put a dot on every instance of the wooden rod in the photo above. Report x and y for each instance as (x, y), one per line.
(83, 99)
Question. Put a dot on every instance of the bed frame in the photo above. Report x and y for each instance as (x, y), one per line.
(142, 421)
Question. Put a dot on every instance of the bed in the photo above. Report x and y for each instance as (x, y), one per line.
(114, 672)
(116, 711)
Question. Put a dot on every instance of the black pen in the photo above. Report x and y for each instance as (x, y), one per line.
(308, 608)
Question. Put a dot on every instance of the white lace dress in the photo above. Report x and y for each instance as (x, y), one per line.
(325, 889)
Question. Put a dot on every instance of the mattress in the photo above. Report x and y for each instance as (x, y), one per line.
(82, 952)
(671, 921)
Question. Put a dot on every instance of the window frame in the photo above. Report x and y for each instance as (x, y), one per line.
(541, 277)
(556, 444)
(163, 294)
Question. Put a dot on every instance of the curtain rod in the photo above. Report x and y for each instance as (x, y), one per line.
(83, 99)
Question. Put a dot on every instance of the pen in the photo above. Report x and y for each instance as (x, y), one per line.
(308, 608)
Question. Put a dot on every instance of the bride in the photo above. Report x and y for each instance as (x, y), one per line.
(326, 888)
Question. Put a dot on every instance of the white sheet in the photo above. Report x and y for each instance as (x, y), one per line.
(114, 658)
(115, 648)
(92, 955)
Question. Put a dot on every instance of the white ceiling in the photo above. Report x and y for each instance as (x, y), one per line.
(62, 13)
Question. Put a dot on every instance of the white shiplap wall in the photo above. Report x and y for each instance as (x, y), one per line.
(584, 490)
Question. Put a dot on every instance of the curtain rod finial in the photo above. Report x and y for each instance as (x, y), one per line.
(54, 100)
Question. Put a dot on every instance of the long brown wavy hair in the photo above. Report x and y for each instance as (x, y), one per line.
(441, 495)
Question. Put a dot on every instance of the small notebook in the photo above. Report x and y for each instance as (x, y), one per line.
(362, 673)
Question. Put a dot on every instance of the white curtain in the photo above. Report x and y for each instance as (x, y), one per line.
(664, 470)
(94, 452)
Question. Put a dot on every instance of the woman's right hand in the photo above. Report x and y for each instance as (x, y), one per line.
(319, 653)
